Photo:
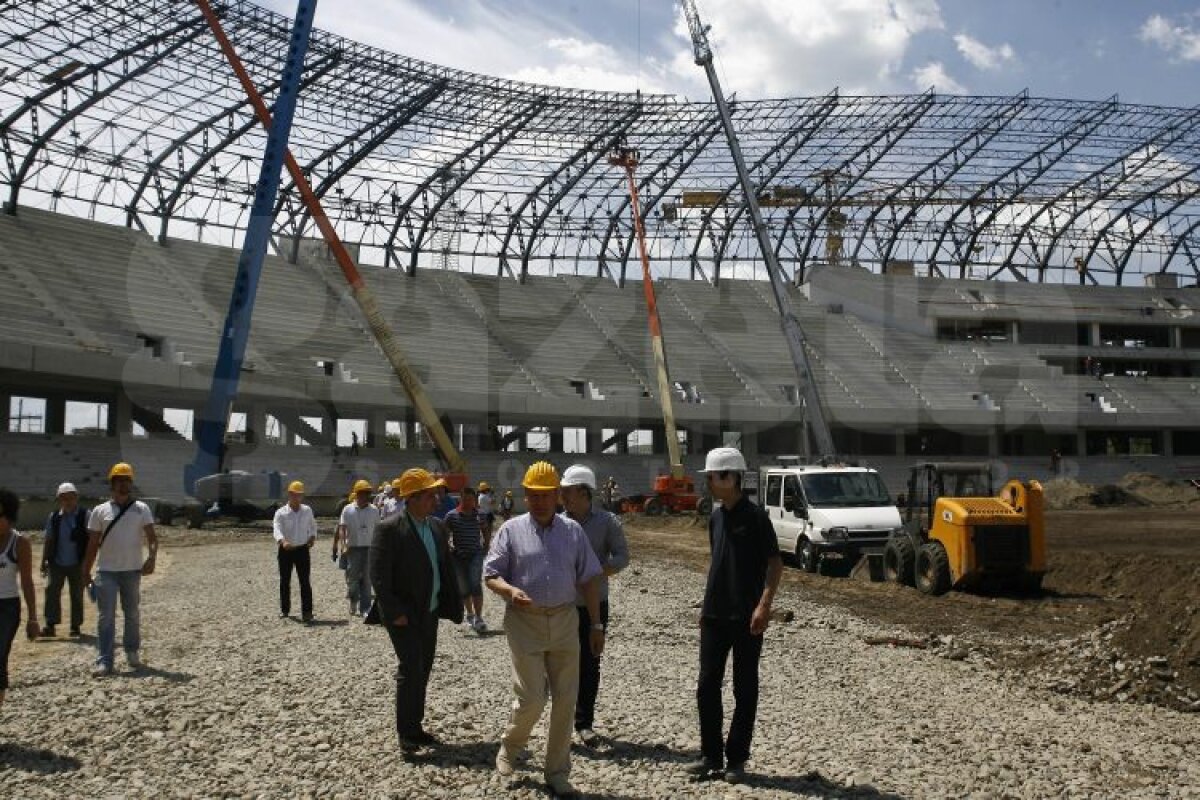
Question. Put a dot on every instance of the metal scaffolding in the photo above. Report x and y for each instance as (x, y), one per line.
(125, 113)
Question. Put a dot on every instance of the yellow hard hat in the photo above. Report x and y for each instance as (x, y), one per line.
(361, 486)
(484, 486)
(120, 470)
(396, 484)
(296, 487)
(417, 480)
(541, 476)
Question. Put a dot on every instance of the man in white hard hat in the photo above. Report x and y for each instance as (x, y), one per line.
(742, 578)
(607, 538)
(62, 558)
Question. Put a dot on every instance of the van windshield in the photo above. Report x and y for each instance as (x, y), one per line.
(845, 490)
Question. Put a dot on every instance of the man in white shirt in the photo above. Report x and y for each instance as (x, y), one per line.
(393, 507)
(295, 533)
(115, 531)
(355, 530)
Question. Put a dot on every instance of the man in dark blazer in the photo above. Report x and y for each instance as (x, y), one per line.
(414, 584)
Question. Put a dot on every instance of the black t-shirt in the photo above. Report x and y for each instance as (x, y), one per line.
(742, 540)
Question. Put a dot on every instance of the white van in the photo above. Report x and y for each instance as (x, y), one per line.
(827, 513)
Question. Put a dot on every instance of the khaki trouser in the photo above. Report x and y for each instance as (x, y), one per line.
(545, 655)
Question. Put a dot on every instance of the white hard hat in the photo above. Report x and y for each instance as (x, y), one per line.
(66, 488)
(724, 459)
(578, 475)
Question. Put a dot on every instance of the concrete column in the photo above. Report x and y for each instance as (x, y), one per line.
(5, 404)
(595, 438)
(120, 415)
(56, 414)
(993, 443)
(1014, 332)
(1081, 443)
(376, 428)
(556, 439)
(1094, 334)
(658, 441)
(1176, 338)
(750, 445)
(1168, 443)
(256, 424)
(900, 450)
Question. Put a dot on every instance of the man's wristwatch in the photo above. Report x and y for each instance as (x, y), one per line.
(598, 626)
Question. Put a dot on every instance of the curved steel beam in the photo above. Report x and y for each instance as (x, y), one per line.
(48, 134)
(890, 136)
(1066, 143)
(818, 118)
(513, 128)
(401, 115)
(982, 136)
(1183, 198)
(598, 145)
(1164, 138)
(167, 206)
(319, 68)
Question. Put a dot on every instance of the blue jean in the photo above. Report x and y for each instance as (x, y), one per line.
(358, 582)
(469, 572)
(128, 585)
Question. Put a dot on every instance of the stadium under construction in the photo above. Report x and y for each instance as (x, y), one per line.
(983, 277)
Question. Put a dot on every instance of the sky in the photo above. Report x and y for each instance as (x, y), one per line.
(1143, 51)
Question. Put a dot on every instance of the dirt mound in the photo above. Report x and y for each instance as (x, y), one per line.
(1065, 494)
(1158, 490)
(1135, 489)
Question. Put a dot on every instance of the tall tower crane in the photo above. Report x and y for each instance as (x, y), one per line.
(810, 397)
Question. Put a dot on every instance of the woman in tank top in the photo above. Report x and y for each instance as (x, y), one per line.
(16, 564)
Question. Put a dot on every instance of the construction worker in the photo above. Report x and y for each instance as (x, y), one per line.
(393, 505)
(115, 532)
(611, 492)
(62, 558)
(538, 562)
(16, 579)
(415, 586)
(506, 505)
(607, 538)
(743, 576)
(295, 532)
(487, 507)
(355, 531)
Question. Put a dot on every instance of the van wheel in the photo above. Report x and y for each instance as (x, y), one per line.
(933, 568)
(653, 507)
(806, 555)
(898, 559)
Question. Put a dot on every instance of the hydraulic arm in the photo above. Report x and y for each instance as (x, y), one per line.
(814, 415)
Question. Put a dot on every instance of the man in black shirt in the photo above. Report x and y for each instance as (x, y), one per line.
(742, 579)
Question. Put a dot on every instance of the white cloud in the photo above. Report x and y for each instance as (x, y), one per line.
(767, 48)
(980, 55)
(934, 74)
(1180, 40)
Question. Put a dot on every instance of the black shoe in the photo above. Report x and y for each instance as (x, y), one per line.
(308, 620)
(409, 745)
(735, 773)
(426, 738)
(284, 614)
(75, 634)
(702, 767)
(47, 632)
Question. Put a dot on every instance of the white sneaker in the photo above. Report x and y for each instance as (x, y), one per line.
(469, 621)
(102, 671)
(479, 625)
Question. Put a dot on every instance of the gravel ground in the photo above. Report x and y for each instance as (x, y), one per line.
(237, 703)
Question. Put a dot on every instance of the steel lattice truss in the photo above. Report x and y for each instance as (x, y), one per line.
(117, 110)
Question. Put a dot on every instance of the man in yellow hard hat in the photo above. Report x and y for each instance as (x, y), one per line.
(537, 563)
(393, 505)
(414, 583)
(115, 532)
(355, 531)
(295, 532)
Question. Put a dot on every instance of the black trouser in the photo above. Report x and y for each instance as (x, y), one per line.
(296, 557)
(414, 644)
(73, 577)
(589, 669)
(10, 621)
(717, 638)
